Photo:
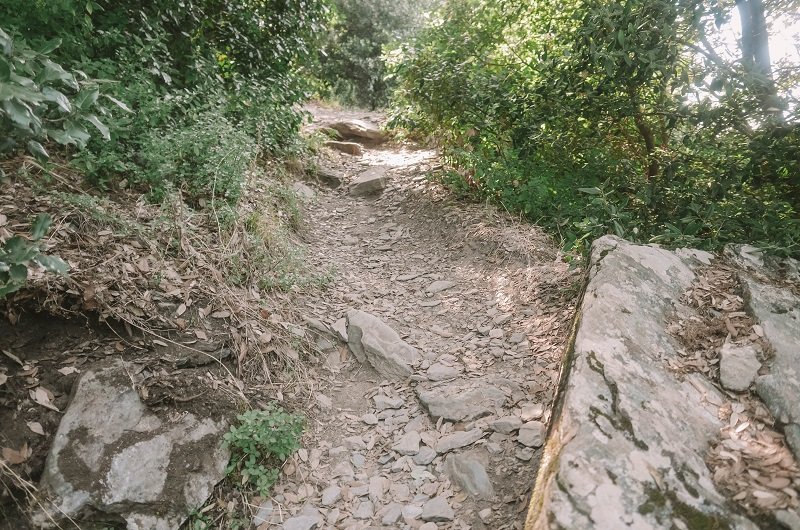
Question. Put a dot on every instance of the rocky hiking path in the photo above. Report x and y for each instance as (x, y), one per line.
(441, 330)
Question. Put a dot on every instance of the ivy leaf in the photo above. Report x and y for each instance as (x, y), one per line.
(51, 94)
(40, 226)
(52, 263)
(100, 126)
(87, 97)
(17, 250)
(37, 150)
(119, 103)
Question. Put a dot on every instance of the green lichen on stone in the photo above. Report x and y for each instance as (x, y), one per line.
(668, 503)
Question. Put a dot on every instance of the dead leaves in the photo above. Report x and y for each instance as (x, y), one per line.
(43, 397)
(752, 463)
(14, 456)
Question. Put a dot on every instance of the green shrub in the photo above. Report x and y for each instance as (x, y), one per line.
(17, 254)
(42, 101)
(261, 442)
(206, 160)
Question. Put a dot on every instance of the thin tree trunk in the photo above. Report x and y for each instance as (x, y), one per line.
(755, 56)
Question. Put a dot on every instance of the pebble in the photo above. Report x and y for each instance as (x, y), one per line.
(524, 453)
(440, 372)
(264, 513)
(354, 442)
(429, 526)
(485, 514)
(370, 419)
(496, 333)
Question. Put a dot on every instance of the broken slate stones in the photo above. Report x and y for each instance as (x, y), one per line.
(112, 456)
(349, 148)
(437, 509)
(461, 400)
(372, 341)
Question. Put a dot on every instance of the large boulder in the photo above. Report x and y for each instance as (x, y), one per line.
(369, 182)
(113, 459)
(374, 342)
(778, 312)
(359, 130)
(629, 438)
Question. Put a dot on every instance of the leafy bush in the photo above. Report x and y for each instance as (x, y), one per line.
(206, 159)
(17, 254)
(261, 442)
(42, 101)
(597, 117)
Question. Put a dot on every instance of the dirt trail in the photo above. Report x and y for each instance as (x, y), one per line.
(500, 325)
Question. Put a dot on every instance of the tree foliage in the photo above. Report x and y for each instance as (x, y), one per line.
(596, 117)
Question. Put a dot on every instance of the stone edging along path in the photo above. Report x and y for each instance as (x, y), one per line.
(630, 436)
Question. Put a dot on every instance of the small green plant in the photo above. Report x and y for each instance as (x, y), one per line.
(261, 442)
(17, 254)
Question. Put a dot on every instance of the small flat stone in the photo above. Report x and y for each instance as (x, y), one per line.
(323, 401)
(302, 522)
(458, 440)
(429, 526)
(507, 424)
(439, 286)
(354, 442)
(351, 148)
(437, 509)
(408, 444)
(531, 434)
(524, 453)
(531, 411)
(485, 514)
(516, 338)
(425, 456)
(365, 510)
(441, 372)
(331, 495)
(470, 475)
(383, 402)
(370, 419)
(264, 513)
(496, 333)
(393, 513)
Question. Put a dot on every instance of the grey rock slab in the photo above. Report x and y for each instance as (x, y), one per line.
(531, 434)
(111, 455)
(437, 509)
(470, 475)
(429, 526)
(332, 178)
(458, 440)
(370, 182)
(461, 400)
(373, 341)
(623, 413)
(738, 366)
(778, 312)
(408, 444)
(349, 148)
(359, 130)
(531, 411)
(439, 286)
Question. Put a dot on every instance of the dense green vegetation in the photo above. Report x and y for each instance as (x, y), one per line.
(352, 64)
(189, 93)
(613, 117)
